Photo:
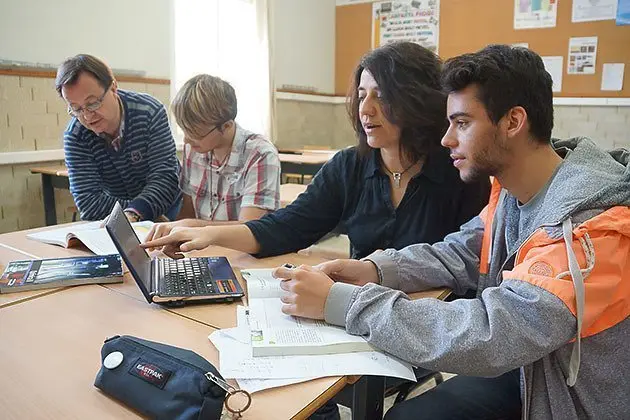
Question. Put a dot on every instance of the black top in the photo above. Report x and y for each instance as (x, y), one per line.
(354, 193)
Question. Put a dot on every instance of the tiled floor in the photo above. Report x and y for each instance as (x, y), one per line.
(346, 414)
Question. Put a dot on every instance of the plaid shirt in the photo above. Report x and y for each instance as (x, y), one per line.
(249, 178)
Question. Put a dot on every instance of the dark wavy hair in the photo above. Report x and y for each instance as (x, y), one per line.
(408, 77)
(506, 77)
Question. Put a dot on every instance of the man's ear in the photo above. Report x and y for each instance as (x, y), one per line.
(115, 86)
(516, 121)
(226, 125)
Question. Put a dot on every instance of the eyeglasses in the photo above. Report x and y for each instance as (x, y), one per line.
(92, 106)
(208, 133)
(199, 138)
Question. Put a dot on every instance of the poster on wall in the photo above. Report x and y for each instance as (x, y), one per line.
(530, 14)
(623, 12)
(582, 55)
(406, 20)
(590, 10)
(554, 67)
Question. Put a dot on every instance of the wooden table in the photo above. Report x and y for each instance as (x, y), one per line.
(289, 192)
(61, 331)
(306, 150)
(46, 335)
(49, 367)
(304, 164)
(57, 177)
(52, 177)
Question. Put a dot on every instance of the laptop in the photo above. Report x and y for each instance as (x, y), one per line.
(172, 282)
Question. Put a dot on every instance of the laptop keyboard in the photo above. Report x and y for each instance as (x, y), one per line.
(186, 277)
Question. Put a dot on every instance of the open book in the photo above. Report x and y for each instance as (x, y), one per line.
(90, 234)
(20, 276)
(275, 334)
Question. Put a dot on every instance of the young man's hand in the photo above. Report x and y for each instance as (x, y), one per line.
(307, 290)
(354, 272)
(180, 240)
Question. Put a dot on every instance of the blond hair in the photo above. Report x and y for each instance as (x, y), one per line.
(204, 102)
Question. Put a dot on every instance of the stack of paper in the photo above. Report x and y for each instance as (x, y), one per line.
(290, 364)
(236, 361)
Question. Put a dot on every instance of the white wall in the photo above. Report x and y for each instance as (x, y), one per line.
(303, 37)
(127, 34)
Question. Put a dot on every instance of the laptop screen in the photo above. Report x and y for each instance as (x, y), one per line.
(128, 246)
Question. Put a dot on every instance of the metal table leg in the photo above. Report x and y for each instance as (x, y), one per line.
(48, 192)
(364, 397)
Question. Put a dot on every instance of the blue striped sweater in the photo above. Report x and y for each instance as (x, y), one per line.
(142, 175)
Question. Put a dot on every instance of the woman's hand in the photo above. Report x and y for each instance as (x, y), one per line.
(180, 240)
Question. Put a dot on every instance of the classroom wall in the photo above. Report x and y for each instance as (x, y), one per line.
(303, 36)
(133, 35)
(608, 126)
(302, 123)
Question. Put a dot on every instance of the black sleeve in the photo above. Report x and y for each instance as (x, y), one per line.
(313, 214)
(474, 198)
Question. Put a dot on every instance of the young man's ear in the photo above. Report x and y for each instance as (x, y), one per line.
(226, 125)
(516, 121)
(115, 86)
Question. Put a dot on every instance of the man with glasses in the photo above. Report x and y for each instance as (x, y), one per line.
(118, 146)
(229, 174)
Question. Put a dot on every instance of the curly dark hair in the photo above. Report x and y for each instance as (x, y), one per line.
(408, 77)
(506, 77)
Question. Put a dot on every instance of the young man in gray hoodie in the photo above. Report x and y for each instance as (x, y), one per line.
(548, 257)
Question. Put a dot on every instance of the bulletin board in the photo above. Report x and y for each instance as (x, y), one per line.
(469, 25)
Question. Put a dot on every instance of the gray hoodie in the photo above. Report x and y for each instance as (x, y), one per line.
(554, 302)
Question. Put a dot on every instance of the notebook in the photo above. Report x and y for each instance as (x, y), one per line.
(172, 282)
(90, 234)
(275, 334)
(24, 275)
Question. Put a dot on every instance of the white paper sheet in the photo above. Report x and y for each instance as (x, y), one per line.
(236, 361)
(554, 67)
(612, 76)
(255, 385)
(590, 10)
